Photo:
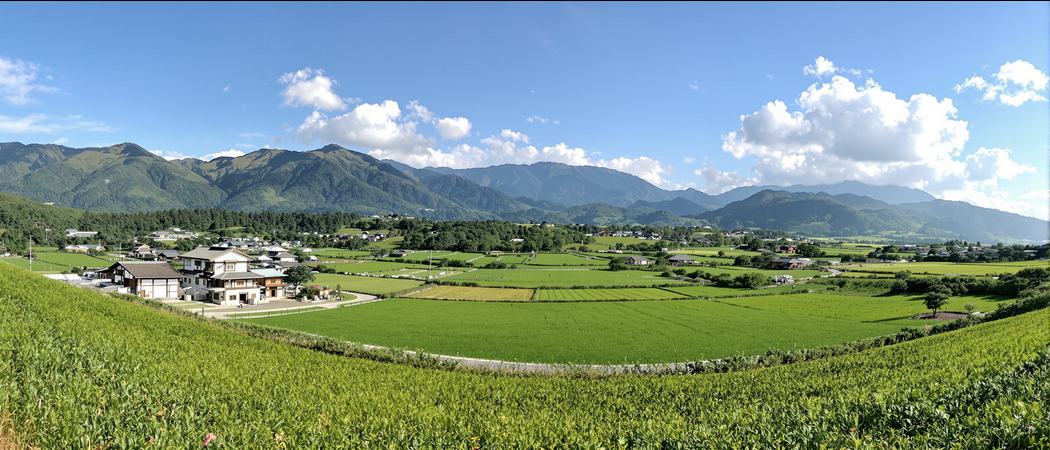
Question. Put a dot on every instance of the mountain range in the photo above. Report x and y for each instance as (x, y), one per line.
(128, 178)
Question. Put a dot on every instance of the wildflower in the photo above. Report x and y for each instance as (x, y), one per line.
(1031, 428)
(208, 438)
(278, 437)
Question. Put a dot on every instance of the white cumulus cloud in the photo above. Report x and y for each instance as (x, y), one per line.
(231, 153)
(1019, 82)
(453, 128)
(845, 131)
(371, 126)
(719, 182)
(310, 87)
(17, 81)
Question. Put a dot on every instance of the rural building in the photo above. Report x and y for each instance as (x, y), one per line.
(141, 251)
(788, 263)
(84, 248)
(272, 284)
(636, 261)
(680, 259)
(167, 255)
(72, 232)
(146, 279)
(222, 276)
(784, 279)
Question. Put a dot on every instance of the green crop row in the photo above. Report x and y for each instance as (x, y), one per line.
(83, 370)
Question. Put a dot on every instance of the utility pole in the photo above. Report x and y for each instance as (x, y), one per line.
(30, 253)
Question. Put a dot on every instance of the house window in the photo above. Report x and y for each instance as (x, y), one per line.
(230, 267)
(240, 282)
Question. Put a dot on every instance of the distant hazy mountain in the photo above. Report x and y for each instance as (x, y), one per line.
(601, 214)
(679, 206)
(561, 183)
(851, 215)
(127, 178)
(893, 195)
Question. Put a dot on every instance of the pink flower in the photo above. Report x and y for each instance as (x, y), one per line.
(208, 438)
(1031, 428)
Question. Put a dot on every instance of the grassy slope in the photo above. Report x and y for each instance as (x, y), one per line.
(95, 372)
(580, 333)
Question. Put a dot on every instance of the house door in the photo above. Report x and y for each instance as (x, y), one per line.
(273, 292)
(244, 298)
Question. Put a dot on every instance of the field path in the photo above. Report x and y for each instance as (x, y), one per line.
(287, 306)
(520, 367)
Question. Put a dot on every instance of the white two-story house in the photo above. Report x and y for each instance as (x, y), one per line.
(224, 276)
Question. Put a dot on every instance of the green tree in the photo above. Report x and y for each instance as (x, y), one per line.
(742, 260)
(970, 307)
(721, 254)
(752, 280)
(617, 264)
(902, 275)
(809, 251)
(298, 276)
(935, 301)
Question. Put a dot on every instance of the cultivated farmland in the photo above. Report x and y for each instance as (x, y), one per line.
(475, 294)
(579, 333)
(81, 370)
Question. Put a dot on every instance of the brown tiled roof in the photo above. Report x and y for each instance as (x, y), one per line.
(143, 269)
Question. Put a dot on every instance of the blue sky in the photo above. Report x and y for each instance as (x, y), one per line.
(950, 98)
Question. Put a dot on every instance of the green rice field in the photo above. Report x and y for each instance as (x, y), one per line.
(534, 278)
(38, 266)
(84, 370)
(479, 294)
(578, 333)
(582, 295)
(366, 285)
(73, 259)
(944, 268)
(895, 309)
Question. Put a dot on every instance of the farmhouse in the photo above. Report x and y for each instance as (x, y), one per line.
(146, 279)
(141, 251)
(636, 261)
(788, 263)
(680, 259)
(223, 277)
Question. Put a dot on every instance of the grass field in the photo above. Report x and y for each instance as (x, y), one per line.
(716, 292)
(555, 277)
(581, 333)
(475, 294)
(366, 285)
(894, 309)
(38, 266)
(563, 259)
(82, 370)
(944, 268)
(580, 295)
(73, 259)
